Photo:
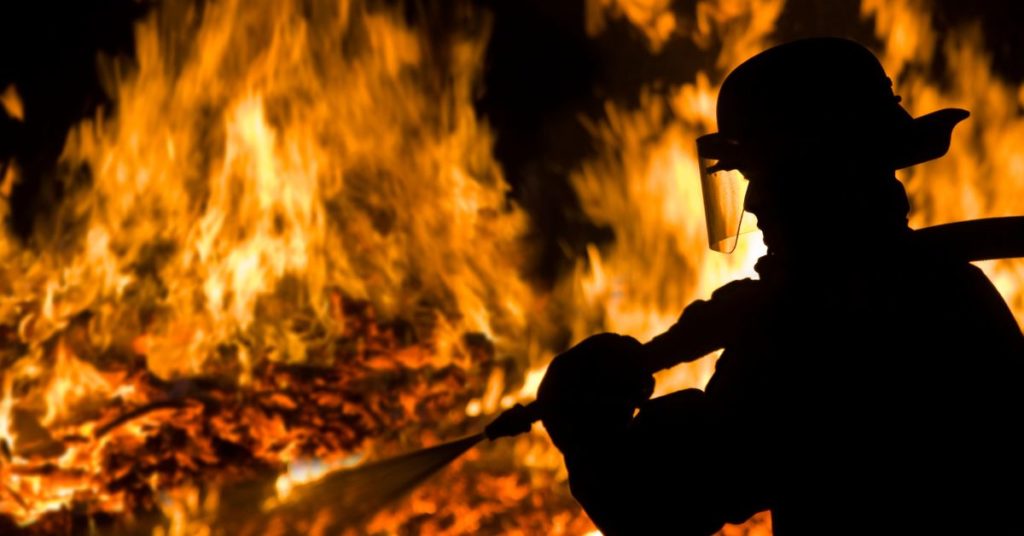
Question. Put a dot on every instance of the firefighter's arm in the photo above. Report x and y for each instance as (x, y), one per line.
(705, 325)
(620, 466)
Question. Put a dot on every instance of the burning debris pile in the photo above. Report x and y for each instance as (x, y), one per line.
(115, 452)
(289, 248)
(208, 452)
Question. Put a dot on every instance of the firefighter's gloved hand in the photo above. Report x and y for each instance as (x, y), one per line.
(592, 390)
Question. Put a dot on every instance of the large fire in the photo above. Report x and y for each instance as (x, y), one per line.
(290, 248)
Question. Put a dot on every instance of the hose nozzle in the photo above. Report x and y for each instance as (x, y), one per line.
(514, 421)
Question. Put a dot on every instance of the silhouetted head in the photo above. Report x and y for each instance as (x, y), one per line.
(815, 129)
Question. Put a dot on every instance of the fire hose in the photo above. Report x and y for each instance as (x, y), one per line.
(976, 240)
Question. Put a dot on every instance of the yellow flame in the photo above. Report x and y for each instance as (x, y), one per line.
(983, 174)
(253, 175)
(74, 381)
(644, 185)
(7, 434)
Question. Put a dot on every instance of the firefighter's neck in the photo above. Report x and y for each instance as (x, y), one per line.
(834, 250)
(864, 220)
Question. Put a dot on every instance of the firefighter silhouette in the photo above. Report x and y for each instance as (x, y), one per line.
(868, 384)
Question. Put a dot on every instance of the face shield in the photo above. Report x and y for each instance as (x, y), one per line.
(724, 188)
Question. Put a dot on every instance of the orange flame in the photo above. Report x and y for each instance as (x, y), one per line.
(11, 103)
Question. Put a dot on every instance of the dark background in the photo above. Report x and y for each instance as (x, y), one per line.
(542, 74)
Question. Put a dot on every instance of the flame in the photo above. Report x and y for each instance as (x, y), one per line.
(271, 178)
(11, 103)
(983, 174)
(644, 185)
(289, 248)
(654, 18)
(257, 175)
(73, 383)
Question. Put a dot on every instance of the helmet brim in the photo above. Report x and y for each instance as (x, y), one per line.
(927, 137)
(919, 140)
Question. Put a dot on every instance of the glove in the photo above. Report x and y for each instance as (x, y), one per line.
(591, 391)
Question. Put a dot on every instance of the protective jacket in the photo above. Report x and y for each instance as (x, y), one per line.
(877, 395)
